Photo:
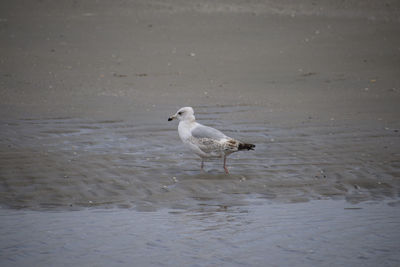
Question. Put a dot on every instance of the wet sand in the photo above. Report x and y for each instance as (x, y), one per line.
(86, 89)
(72, 163)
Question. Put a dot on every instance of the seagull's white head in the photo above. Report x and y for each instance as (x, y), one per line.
(183, 114)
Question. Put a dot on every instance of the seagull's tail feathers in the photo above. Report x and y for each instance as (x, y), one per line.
(244, 146)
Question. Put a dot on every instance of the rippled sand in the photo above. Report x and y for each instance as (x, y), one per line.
(72, 163)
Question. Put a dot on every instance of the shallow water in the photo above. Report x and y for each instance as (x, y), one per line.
(69, 163)
(316, 233)
(91, 192)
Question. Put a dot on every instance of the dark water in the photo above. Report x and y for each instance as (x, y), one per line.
(316, 233)
(88, 192)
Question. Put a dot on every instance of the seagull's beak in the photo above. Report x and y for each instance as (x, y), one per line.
(172, 117)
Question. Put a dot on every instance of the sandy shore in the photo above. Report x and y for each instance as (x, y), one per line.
(86, 88)
(143, 59)
(312, 85)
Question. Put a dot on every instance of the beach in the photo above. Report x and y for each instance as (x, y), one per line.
(86, 88)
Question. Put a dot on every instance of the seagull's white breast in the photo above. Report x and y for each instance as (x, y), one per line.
(184, 130)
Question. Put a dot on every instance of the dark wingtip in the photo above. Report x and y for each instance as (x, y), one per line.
(243, 146)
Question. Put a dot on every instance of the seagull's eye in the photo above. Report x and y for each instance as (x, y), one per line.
(180, 113)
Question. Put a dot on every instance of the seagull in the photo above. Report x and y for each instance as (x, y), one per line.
(204, 141)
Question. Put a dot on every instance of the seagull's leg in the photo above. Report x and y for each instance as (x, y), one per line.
(202, 164)
(225, 168)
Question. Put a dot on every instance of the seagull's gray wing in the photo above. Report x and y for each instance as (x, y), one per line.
(202, 132)
(207, 139)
